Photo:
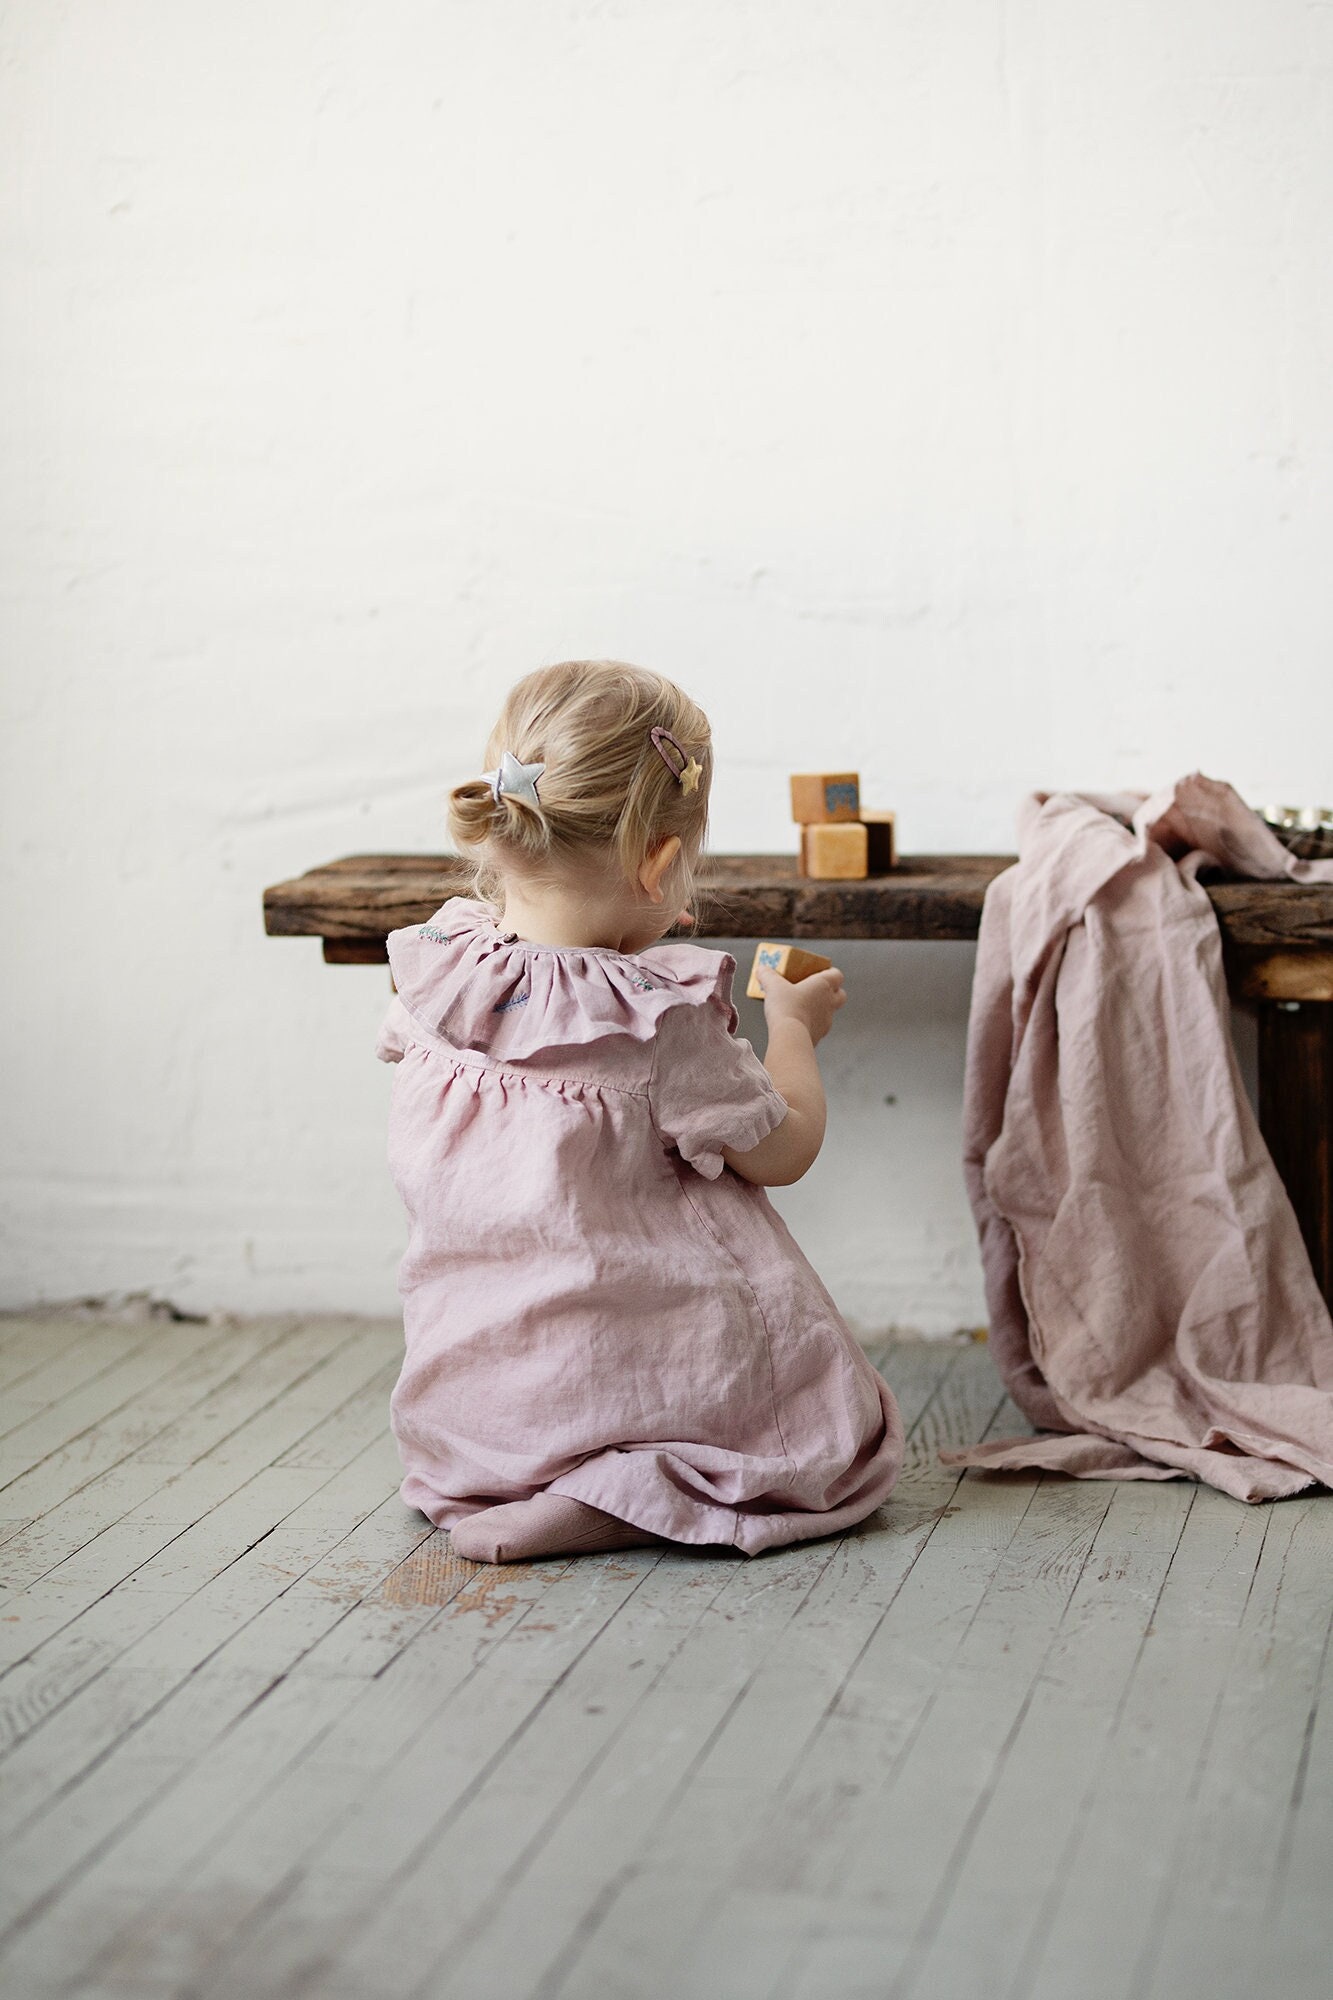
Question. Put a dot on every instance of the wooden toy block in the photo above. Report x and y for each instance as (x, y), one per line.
(821, 797)
(881, 841)
(835, 853)
(789, 960)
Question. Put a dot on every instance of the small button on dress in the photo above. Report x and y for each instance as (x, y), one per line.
(594, 1303)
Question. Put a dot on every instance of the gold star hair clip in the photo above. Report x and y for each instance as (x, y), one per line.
(688, 772)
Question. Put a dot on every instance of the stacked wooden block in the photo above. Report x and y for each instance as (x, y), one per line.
(841, 840)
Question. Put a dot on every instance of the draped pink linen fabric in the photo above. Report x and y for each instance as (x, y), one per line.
(593, 1302)
(1152, 1305)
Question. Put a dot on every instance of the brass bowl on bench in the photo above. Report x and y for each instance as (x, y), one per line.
(1306, 830)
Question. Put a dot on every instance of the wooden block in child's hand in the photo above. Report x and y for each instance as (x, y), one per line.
(835, 853)
(818, 797)
(881, 841)
(789, 960)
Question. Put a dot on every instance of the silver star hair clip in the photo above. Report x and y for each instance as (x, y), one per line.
(515, 780)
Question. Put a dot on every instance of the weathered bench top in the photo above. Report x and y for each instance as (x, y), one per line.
(353, 904)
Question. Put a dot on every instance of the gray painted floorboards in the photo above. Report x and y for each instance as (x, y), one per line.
(262, 1735)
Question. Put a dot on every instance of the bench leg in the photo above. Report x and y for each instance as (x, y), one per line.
(1296, 1117)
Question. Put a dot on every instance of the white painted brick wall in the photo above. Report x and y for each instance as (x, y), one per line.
(941, 388)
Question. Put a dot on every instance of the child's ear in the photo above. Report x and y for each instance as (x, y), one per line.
(656, 866)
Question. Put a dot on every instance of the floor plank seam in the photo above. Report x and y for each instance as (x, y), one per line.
(1030, 1958)
(902, 1987)
(1277, 1893)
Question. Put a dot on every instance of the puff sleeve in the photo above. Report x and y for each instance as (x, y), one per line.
(395, 1032)
(708, 1088)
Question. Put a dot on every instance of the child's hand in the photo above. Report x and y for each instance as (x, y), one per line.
(813, 1001)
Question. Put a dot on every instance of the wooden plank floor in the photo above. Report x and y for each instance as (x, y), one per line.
(263, 1736)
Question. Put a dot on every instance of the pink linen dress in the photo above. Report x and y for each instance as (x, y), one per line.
(593, 1302)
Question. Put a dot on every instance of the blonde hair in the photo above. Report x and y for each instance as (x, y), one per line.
(607, 797)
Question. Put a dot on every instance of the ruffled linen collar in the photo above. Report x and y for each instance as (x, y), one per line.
(481, 988)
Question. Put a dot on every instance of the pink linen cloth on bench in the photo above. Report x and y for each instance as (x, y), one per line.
(1152, 1305)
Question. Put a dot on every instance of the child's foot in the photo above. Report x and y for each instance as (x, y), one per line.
(547, 1525)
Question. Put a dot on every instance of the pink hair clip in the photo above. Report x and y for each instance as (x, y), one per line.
(688, 772)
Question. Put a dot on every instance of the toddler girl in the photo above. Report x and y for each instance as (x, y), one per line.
(612, 1337)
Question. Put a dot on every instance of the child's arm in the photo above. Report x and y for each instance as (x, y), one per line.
(792, 1147)
(798, 1016)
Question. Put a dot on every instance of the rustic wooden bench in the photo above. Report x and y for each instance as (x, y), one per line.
(1277, 938)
